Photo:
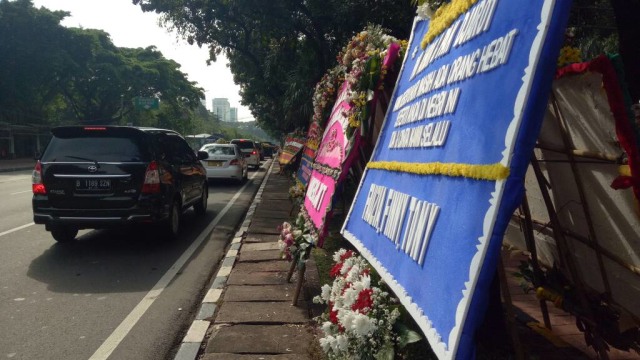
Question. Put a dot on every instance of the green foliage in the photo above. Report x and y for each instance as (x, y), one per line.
(593, 25)
(53, 75)
(278, 50)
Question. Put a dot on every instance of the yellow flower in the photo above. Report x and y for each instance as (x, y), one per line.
(569, 55)
(444, 17)
(478, 172)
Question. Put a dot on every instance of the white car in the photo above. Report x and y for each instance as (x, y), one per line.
(250, 151)
(225, 161)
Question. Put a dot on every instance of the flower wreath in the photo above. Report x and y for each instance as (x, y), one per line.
(296, 240)
(359, 63)
(361, 321)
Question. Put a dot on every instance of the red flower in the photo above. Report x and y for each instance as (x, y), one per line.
(364, 303)
(346, 255)
(333, 314)
(335, 270)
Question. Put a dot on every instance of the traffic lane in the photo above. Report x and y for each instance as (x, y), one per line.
(15, 192)
(70, 298)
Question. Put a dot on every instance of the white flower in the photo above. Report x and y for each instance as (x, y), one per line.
(326, 292)
(342, 342)
(363, 325)
(424, 11)
(346, 318)
(338, 254)
(326, 327)
(350, 296)
(354, 274)
(325, 343)
(365, 282)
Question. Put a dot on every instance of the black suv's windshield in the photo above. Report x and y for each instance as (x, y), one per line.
(93, 148)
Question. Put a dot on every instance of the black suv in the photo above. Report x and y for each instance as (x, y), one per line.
(109, 176)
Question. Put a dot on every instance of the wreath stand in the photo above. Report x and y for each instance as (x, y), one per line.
(587, 319)
(299, 281)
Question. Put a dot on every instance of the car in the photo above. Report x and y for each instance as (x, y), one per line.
(225, 161)
(260, 150)
(250, 151)
(93, 177)
(268, 149)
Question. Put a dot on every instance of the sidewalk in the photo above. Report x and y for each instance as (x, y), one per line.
(248, 313)
(16, 164)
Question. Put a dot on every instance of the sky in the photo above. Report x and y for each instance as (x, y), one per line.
(130, 27)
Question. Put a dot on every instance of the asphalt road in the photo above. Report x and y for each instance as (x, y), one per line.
(117, 294)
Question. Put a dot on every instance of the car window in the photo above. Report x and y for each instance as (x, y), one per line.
(96, 147)
(177, 149)
(221, 150)
(244, 144)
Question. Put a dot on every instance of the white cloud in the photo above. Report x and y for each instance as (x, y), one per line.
(130, 27)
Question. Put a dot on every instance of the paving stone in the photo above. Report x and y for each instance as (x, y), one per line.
(247, 312)
(265, 211)
(260, 339)
(269, 195)
(263, 266)
(257, 278)
(261, 238)
(268, 230)
(260, 255)
(283, 292)
(214, 356)
(267, 222)
(276, 204)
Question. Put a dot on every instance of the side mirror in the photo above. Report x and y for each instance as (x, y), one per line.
(202, 155)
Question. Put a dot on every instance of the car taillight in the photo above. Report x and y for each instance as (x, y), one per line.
(151, 179)
(234, 162)
(36, 180)
(253, 152)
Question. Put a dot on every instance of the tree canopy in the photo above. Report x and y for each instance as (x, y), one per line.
(278, 50)
(54, 75)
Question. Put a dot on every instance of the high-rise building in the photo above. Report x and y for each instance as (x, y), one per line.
(233, 114)
(221, 108)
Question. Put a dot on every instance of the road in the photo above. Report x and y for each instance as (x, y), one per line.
(117, 294)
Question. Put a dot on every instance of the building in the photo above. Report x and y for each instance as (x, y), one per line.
(233, 114)
(221, 109)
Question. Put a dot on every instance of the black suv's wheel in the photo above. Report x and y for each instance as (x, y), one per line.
(201, 206)
(171, 226)
(64, 234)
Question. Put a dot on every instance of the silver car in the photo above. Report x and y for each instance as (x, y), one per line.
(225, 161)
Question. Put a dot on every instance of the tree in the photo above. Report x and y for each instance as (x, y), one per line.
(108, 78)
(54, 75)
(278, 50)
(32, 60)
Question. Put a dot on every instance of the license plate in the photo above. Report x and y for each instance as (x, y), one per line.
(214, 163)
(93, 184)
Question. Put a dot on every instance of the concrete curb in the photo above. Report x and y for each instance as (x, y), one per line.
(196, 334)
(16, 168)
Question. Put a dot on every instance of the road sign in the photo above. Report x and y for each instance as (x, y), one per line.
(142, 103)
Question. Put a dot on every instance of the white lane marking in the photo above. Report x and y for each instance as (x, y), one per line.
(109, 345)
(20, 192)
(16, 229)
